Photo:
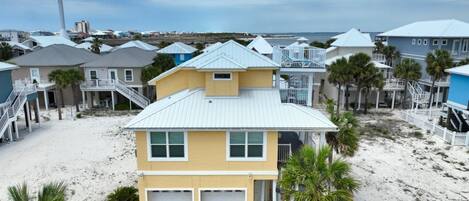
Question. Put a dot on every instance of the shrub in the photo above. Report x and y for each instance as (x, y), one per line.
(125, 106)
(79, 116)
(125, 193)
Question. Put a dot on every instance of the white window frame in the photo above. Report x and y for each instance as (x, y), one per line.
(213, 75)
(465, 45)
(444, 42)
(419, 41)
(413, 41)
(224, 189)
(38, 73)
(148, 190)
(246, 158)
(182, 57)
(91, 77)
(150, 158)
(425, 42)
(109, 71)
(125, 75)
(435, 42)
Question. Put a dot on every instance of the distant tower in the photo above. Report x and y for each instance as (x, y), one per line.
(63, 32)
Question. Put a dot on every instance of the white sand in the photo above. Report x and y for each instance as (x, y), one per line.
(410, 168)
(92, 155)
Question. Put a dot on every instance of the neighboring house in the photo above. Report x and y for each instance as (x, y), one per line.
(13, 35)
(417, 39)
(13, 98)
(180, 52)
(36, 66)
(35, 42)
(119, 71)
(87, 46)
(219, 130)
(18, 48)
(137, 44)
(353, 42)
(212, 47)
(458, 99)
(259, 44)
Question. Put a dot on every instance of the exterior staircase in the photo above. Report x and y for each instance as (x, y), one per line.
(12, 106)
(131, 94)
(418, 95)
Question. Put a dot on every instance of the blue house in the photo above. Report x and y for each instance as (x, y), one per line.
(458, 99)
(13, 98)
(180, 52)
(417, 39)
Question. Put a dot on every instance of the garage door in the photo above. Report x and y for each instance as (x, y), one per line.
(223, 195)
(163, 195)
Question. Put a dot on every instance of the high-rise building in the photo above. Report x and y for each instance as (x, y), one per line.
(82, 26)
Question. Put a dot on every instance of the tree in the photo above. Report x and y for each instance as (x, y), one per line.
(339, 75)
(123, 194)
(137, 36)
(372, 78)
(379, 47)
(437, 62)
(163, 44)
(390, 54)
(200, 47)
(60, 78)
(96, 46)
(6, 51)
(308, 176)
(52, 192)
(408, 70)
(324, 45)
(74, 78)
(463, 62)
(19, 193)
(360, 63)
(161, 63)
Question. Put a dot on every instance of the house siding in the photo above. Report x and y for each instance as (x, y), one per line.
(458, 89)
(6, 83)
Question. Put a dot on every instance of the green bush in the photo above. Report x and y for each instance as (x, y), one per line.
(125, 193)
(125, 106)
(79, 116)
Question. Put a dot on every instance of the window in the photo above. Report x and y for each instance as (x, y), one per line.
(93, 75)
(167, 146)
(246, 145)
(444, 42)
(35, 75)
(222, 76)
(419, 41)
(129, 75)
(181, 57)
(425, 42)
(435, 41)
(413, 41)
(465, 45)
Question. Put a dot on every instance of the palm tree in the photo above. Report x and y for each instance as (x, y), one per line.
(52, 192)
(125, 193)
(359, 64)
(19, 193)
(339, 75)
(308, 176)
(437, 63)
(408, 70)
(6, 51)
(74, 78)
(60, 78)
(96, 46)
(379, 46)
(372, 78)
(390, 53)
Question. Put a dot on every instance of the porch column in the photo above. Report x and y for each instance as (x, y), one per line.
(28, 112)
(38, 111)
(274, 190)
(10, 134)
(377, 99)
(112, 100)
(83, 99)
(322, 139)
(46, 102)
(277, 79)
(437, 95)
(393, 99)
(130, 104)
(359, 99)
(263, 190)
(17, 132)
(310, 90)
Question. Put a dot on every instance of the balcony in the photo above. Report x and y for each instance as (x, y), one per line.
(459, 55)
(98, 85)
(394, 84)
(300, 57)
(284, 152)
(427, 80)
(294, 89)
(380, 58)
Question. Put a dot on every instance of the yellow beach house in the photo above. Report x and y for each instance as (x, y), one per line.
(219, 131)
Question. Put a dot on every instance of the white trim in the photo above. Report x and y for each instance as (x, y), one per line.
(456, 105)
(419, 42)
(465, 45)
(435, 42)
(206, 173)
(154, 159)
(182, 57)
(222, 79)
(38, 73)
(125, 75)
(147, 190)
(224, 189)
(89, 74)
(445, 42)
(413, 41)
(246, 158)
(109, 74)
(425, 42)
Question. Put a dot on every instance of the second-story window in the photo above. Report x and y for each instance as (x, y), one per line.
(93, 75)
(465, 46)
(246, 145)
(413, 41)
(435, 41)
(167, 146)
(419, 41)
(222, 76)
(129, 75)
(425, 42)
(444, 42)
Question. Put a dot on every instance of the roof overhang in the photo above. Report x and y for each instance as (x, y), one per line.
(285, 129)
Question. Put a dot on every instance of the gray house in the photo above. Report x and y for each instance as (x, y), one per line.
(36, 66)
(417, 39)
(116, 77)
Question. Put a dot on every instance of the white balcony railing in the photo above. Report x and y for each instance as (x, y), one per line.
(394, 84)
(284, 152)
(98, 84)
(294, 95)
(379, 58)
(300, 57)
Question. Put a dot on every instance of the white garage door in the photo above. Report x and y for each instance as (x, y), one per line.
(218, 195)
(170, 195)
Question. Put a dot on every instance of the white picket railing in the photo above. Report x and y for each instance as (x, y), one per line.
(451, 137)
(284, 152)
(300, 57)
(393, 84)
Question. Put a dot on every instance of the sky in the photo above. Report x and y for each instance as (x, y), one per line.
(229, 15)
